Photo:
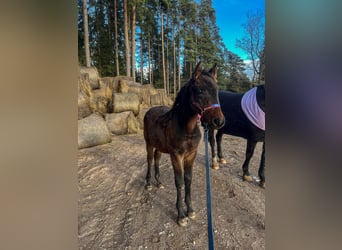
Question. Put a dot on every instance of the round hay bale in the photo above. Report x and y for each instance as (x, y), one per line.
(122, 123)
(113, 82)
(126, 102)
(160, 98)
(122, 86)
(83, 107)
(140, 117)
(93, 75)
(92, 131)
(156, 99)
(98, 104)
(110, 82)
(143, 91)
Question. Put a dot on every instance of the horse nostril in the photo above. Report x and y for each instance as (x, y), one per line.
(222, 121)
(216, 121)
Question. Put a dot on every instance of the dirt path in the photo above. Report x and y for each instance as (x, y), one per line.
(116, 212)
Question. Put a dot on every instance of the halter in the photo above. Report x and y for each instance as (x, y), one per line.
(212, 106)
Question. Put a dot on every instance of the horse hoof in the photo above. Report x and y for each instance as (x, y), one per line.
(262, 184)
(192, 215)
(161, 186)
(182, 221)
(247, 178)
(148, 187)
(223, 161)
(215, 165)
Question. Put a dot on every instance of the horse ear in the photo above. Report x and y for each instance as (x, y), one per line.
(198, 71)
(213, 71)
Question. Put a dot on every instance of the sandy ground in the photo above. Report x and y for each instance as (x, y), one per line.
(116, 212)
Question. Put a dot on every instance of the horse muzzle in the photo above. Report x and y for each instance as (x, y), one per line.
(212, 116)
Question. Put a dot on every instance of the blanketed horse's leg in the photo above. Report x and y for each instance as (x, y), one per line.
(249, 153)
(177, 163)
(262, 167)
(149, 150)
(219, 135)
(211, 137)
(188, 164)
(157, 156)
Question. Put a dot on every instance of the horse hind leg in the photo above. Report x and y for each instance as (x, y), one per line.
(149, 150)
(262, 168)
(249, 153)
(177, 160)
(157, 156)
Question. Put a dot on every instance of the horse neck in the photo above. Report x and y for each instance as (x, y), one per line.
(189, 123)
(186, 118)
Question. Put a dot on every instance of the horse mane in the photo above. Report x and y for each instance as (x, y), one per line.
(180, 99)
(176, 107)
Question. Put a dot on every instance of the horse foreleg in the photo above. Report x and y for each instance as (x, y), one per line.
(219, 135)
(177, 163)
(149, 150)
(157, 156)
(249, 153)
(188, 164)
(214, 163)
(262, 167)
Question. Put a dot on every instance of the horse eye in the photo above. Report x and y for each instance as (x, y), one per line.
(200, 91)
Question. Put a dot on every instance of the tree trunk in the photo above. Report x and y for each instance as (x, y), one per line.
(149, 59)
(141, 59)
(134, 7)
(167, 77)
(128, 59)
(179, 62)
(116, 39)
(174, 64)
(162, 46)
(86, 33)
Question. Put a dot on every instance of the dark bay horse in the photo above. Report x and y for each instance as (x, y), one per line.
(175, 131)
(237, 124)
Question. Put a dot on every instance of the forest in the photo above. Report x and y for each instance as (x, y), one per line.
(159, 42)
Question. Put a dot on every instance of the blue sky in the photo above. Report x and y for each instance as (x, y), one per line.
(230, 15)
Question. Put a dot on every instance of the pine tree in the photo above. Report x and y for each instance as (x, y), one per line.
(238, 80)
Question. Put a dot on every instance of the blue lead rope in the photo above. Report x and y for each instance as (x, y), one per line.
(211, 244)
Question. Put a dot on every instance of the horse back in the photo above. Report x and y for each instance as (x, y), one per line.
(237, 124)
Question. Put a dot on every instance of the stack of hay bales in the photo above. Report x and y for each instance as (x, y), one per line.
(92, 106)
(122, 120)
(112, 105)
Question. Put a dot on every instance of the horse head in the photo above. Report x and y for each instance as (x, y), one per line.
(204, 97)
